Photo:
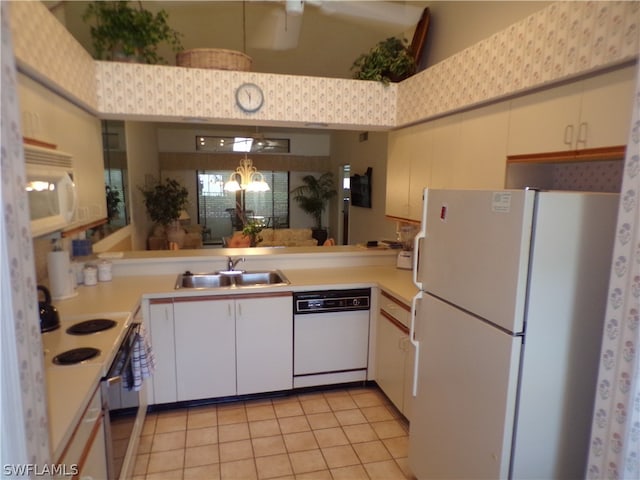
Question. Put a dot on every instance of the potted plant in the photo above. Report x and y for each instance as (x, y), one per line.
(165, 201)
(113, 202)
(389, 61)
(313, 198)
(252, 230)
(122, 32)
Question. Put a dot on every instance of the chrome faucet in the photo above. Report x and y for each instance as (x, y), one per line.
(231, 263)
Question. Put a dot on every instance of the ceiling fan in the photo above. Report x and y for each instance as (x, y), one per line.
(280, 28)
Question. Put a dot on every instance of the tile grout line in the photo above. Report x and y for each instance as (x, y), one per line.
(395, 416)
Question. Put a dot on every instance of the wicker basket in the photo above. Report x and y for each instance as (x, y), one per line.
(217, 58)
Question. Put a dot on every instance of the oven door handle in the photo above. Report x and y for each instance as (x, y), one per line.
(117, 376)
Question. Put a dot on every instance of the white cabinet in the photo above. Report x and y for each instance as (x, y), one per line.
(466, 150)
(394, 353)
(163, 381)
(95, 461)
(591, 113)
(205, 348)
(86, 451)
(481, 159)
(217, 346)
(264, 344)
(401, 148)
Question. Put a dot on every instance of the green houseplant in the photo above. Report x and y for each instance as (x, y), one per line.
(389, 61)
(165, 200)
(123, 32)
(313, 197)
(113, 203)
(252, 230)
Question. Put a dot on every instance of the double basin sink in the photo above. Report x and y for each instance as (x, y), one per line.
(230, 279)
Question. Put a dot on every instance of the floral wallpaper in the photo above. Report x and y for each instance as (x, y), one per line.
(170, 92)
(562, 41)
(25, 431)
(558, 42)
(615, 434)
(44, 49)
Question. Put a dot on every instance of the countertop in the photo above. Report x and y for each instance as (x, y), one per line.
(69, 391)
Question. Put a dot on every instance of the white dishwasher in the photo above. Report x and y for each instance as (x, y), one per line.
(331, 336)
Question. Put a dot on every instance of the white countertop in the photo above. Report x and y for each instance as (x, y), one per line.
(70, 389)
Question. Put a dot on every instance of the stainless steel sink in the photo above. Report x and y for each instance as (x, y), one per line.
(238, 279)
(203, 280)
(273, 277)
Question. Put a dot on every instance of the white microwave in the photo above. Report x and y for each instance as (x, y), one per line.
(51, 192)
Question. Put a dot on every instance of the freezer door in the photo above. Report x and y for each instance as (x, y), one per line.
(475, 251)
(463, 414)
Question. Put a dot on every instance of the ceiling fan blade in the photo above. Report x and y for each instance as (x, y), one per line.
(277, 31)
(402, 16)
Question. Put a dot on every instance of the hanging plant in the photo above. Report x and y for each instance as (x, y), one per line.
(389, 61)
(122, 32)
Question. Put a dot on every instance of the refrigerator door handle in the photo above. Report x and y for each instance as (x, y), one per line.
(414, 342)
(416, 241)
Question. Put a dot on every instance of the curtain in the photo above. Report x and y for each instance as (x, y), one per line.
(24, 432)
(615, 431)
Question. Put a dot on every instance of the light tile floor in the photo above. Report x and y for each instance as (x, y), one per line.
(348, 434)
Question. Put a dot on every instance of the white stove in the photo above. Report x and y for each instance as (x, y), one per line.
(105, 341)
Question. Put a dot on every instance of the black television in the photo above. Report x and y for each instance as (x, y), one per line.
(360, 186)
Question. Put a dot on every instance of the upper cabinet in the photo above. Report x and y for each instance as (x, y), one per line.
(590, 113)
(49, 118)
(466, 150)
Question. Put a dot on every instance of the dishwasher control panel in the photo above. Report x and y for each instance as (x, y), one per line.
(332, 300)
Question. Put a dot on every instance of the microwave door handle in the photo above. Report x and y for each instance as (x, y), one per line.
(67, 183)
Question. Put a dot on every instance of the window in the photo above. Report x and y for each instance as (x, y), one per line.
(255, 144)
(218, 209)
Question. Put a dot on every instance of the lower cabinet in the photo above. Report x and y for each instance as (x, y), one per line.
(205, 348)
(218, 346)
(394, 353)
(85, 455)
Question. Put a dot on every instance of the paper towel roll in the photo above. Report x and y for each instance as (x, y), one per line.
(61, 275)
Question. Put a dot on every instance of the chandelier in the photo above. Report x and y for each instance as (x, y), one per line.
(251, 180)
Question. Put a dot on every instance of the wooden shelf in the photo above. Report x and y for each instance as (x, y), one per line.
(585, 155)
(401, 219)
(82, 228)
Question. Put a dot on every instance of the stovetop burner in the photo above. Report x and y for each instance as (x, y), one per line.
(75, 355)
(91, 326)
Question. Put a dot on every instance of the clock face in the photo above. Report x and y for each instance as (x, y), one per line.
(249, 97)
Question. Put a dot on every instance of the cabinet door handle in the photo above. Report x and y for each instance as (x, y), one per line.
(568, 135)
(583, 131)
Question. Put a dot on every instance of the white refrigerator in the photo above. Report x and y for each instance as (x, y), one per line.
(507, 328)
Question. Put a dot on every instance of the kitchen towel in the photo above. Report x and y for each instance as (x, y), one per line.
(143, 362)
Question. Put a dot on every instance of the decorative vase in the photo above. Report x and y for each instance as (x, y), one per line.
(175, 234)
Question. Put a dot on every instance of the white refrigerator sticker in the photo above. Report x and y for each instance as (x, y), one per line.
(501, 202)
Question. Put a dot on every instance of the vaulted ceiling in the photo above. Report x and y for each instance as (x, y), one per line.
(327, 45)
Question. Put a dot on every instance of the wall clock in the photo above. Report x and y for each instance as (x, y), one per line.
(249, 97)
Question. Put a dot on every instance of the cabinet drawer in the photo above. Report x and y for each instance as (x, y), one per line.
(394, 308)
